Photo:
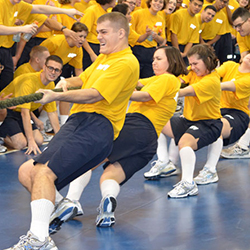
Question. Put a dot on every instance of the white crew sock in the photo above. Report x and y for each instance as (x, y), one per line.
(63, 119)
(213, 154)
(173, 152)
(59, 197)
(245, 139)
(162, 149)
(77, 186)
(110, 187)
(188, 159)
(40, 215)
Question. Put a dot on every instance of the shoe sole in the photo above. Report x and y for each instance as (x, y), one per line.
(191, 193)
(207, 182)
(162, 175)
(108, 218)
(247, 156)
(56, 223)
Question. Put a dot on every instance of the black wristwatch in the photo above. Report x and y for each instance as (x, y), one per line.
(63, 27)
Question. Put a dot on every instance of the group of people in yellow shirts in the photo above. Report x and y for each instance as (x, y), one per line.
(99, 130)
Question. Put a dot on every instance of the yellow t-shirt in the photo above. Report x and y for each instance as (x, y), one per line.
(163, 89)
(8, 16)
(28, 84)
(229, 71)
(90, 20)
(143, 18)
(57, 45)
(215, 27)
(206, 104)
(48, 34)
(82, 6)
(232, 5)
(65, 19)
(186, 27)
(23, 69)
(115, 77)
(243, 42)
(132, 37)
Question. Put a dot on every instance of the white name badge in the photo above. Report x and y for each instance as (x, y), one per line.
(103, 67)
(15, 14)
(233, 80)
(200, 31)
(192, 26)
(219, 21)
(230, 7)
(71, 55)
(158, 24)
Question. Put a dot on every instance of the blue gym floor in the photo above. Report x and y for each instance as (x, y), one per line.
(217, 219)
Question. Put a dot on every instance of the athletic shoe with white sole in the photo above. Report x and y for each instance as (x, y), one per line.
(64, 211)
(159, 168)
(106, 210)
(205, 176)
(235, 152)
(30, 241)
(183, 189)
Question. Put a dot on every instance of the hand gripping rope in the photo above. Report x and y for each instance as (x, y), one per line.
(27, 98)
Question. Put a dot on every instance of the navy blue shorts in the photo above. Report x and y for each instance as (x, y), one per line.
(208, 131)
(84, 141)
(135, 146)
(238, 120)
(13, 124)
(6, 60)
(145, 57)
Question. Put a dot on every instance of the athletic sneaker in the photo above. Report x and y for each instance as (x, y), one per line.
(205, 176)
(159, 168)
(2, 149)
(235, 152)
(30, 241)
(183, 189)
(64, 211)
(106, 211)
(46, 137)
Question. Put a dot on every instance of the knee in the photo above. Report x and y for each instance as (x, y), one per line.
(19, 143)
(24, 172)
(41, 171)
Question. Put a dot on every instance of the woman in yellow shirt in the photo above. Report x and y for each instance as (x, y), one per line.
(200, 124)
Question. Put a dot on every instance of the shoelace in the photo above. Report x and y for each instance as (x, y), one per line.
(23, 239)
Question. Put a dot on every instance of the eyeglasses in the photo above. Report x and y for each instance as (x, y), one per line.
(131, 3)
(51, 69)
(1, 67)
(239, 25)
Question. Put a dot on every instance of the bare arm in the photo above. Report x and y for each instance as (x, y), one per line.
(45, 9)
(141, 96)
(19, 51)
(32, 146)
(53, 117)
(187, 91)
(91, 53)
(228, 86)
(174, 40)
(55, 25)
(78, 71)
(12, 30)
(217, 37)
(187, 48)
(69, 82)
(75, 96)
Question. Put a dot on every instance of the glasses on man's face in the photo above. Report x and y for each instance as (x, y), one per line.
(1, 67)
(131, 3)
(51, 69)
(239, 25)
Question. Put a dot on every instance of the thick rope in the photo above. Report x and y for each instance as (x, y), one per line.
(27, 98)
